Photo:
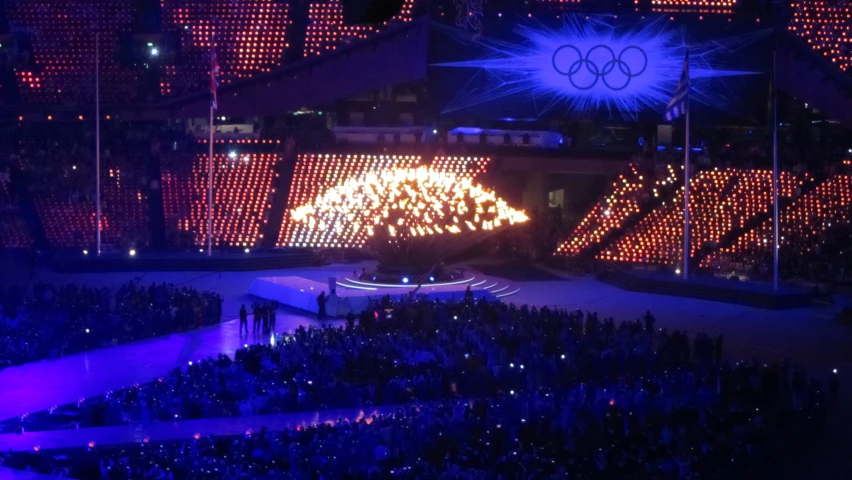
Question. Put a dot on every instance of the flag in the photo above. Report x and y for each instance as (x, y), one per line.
(679, 104)
(214, 83)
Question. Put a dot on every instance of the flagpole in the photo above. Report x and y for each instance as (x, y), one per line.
(775, 220)
(97, 146)
(686, 198)
(210, 189)
(213, 72)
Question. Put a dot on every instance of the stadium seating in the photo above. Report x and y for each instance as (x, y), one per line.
(721, 200)
(702, 4)
(826, 27)
(250, 37)
(621, 202)
(242, 188)
(70, 222)
(63, 49)
(802, 224)
(13, 230)
(326, 31)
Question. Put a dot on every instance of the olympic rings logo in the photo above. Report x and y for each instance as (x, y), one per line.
(600, 63)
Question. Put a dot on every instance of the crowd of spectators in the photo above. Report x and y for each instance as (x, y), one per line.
(49, 321)
(502, 392)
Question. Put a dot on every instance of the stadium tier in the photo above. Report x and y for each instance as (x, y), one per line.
(826, 27)
(803, 225)
(721, 202)
(623, 201)
(63, 50)
(242, 188)
(13, 230)
(326, 30)
(250, 36)
(68, 215)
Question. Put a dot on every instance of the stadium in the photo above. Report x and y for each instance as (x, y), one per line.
(545, 239)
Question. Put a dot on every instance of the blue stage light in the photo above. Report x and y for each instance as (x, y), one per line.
(405, 280)
(431, 279)
(597, 62)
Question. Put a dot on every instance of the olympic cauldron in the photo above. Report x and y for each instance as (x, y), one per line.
(411, 219)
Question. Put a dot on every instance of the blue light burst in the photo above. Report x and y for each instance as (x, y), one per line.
(598, 62)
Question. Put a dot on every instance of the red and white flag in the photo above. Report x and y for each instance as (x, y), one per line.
(214, 82)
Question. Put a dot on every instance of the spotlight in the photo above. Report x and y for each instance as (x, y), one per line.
(87, 330)
(132, 253)
(431, 279)
(232, 155)
(246, 250)
(405, 280)
(677, 271)
(155, 52)
(85, 252)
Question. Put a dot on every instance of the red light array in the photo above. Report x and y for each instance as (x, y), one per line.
(250, 37)
(694, 3)
(326, 31)
(242, 189)
(69, 221)
(63, 41)
(827, 27)
(622, 202)
(802, 223)
(720, 201)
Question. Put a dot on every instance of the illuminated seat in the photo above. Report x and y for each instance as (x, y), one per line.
(721, 201)
(620, 203)
(63, 49)
(802, 223)
(825, 26)
(251, 37)
(242, 194)
(326, 31)
(13, 230)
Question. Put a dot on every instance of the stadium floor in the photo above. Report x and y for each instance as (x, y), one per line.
(809, 337)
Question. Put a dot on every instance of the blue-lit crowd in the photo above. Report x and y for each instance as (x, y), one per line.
(46, 320)
(465, 390)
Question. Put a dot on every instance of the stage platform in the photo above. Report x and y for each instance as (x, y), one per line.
(738, 292)
(183, 261)
(354, 295)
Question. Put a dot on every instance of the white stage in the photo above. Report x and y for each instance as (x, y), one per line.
(354, 295)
